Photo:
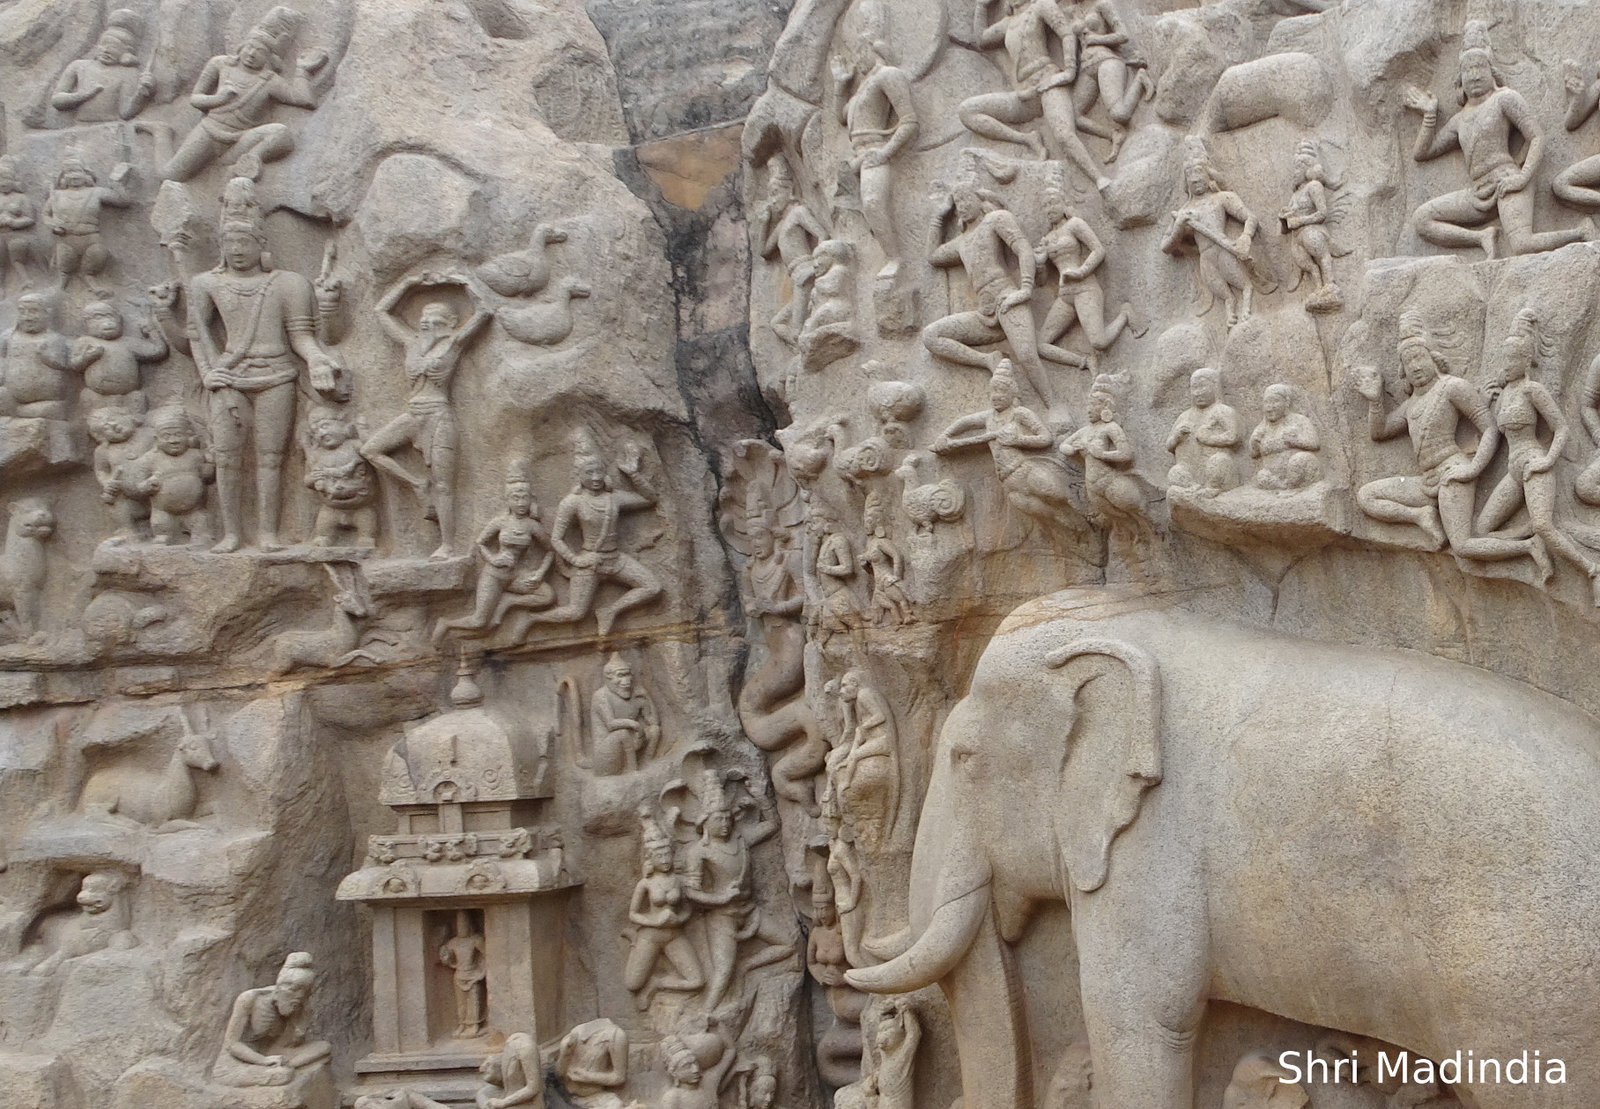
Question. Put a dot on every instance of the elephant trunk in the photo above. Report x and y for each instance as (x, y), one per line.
(942, 946)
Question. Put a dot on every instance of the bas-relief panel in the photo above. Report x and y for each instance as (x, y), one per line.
(1266, 321)
(411, 703)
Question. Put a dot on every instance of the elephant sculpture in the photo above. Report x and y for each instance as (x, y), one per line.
(1363, 839)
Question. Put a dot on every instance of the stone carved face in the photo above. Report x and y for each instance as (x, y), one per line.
(969, 205)
(719, 823)
(519, 498)
(241, 251)
(1196, 181)
(619, 679)
(103, 324)
(1203, 387)
(289, 993)
(850, 686)
(253, 55)
(330, 433)
(106, 51)
(36, 522)
(97, 894)
(32, 315)
(659, 856)
(112, 425)
(1477, 75)
(75, 179)
(172, 438)
(1002, 394)
(1275, 403)
(762, 541)
(1418, 365)
(592, 475)
(437, 317)
(1518, 348)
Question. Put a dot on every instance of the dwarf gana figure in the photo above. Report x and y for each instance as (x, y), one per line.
(235, 94)
(175, 474)
(17, 219)
(34, 360)
(107, 85)
(110, 359)
(121, 442)
(1285, 443)
(338, 473)
(72, 212)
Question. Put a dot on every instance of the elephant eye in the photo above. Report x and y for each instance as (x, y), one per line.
(961, 757)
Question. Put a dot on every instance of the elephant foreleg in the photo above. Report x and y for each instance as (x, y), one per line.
(1144, 1063)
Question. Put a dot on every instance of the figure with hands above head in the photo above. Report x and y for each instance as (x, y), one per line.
(433, 349)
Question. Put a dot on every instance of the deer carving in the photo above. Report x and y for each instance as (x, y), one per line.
(160, 799)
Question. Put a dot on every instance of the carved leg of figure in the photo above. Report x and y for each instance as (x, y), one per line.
(1122, 94)
(643, 587)
(1017, 325)
(1516, 217)
(197, 151)
(1305, 266)
(778, 946)
(491, 585)
(365, 523)
(1057, 322)
(996, 115)
(1586, 485)
(1455, 220)
(1402, 500)
(956, 339)
(402, 431)
(722, 948)
(1065, 126)
(681, 955)
(1455, 514)
(442, 481)
(268, 143)
(1577, 185)
(1540, 493)
(326, 527)
(1091, 312)
(582, 586)
(228, 420)
(877, 208)
(1224, 281)
(273, 425)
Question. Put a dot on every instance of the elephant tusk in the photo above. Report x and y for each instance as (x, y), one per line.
(954, 926)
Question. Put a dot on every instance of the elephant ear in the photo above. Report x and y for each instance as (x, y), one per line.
(1112, 753)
